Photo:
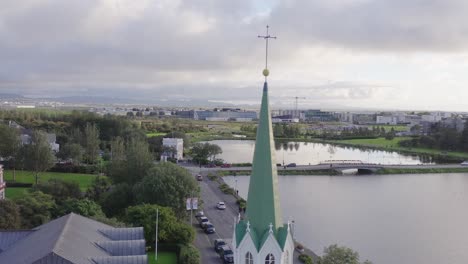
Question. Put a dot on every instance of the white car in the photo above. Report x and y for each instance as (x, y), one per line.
(221, 206)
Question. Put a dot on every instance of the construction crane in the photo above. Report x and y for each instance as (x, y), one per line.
(296, 112)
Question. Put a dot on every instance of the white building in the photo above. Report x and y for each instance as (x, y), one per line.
(386, 120)
(2, 184)
(174, 148)
(431, 118)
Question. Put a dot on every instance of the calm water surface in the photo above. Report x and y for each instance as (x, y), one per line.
(388, 219)
(303, 153)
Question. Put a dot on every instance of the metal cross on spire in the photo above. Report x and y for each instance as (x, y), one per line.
(266, 37)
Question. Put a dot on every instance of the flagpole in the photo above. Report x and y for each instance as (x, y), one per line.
(156, 242)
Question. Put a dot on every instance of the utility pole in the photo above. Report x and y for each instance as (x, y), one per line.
(296, 112)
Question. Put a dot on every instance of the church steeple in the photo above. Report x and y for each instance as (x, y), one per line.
(262, 237)
(263, 206)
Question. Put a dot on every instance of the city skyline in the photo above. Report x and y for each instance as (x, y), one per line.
(337, 54)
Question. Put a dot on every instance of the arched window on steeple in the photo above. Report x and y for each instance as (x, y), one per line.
(248, 258)
(270, 259)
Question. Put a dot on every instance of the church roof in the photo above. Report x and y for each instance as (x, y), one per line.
(263, 206)
(73, 239)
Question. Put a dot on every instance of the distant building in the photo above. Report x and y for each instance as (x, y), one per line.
(284, 119)
(224, 114)
(386, 120)
(73, 239)
(174, 149)
(25, 136)
(2, 185)
(318, 115)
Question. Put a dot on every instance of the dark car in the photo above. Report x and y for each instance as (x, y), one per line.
(211, 165)
(209, 228)
(218, 243)
(226, 255)
(291, 165)
(226, 165)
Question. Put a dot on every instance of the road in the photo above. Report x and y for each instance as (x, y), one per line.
(223, 220)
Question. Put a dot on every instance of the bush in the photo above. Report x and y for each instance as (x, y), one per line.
(19, 184)
(305, 259)
(189, 255)
(212, 177)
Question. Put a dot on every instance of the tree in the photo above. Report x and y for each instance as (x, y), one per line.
(84, 207)
(170, 228)
(37, 156)
(10, 145)
(98, 188)
(138, 160)
(189, 255)
(35, 209)
(118, 198)
(168, 185)
(117, 149)
(73, 152)
(91, 143)
(9, 215)
(340, 255)
(464, 138)
(59, 189)
(201, 152)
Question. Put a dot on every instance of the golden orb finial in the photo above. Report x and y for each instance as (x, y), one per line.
(266, 72)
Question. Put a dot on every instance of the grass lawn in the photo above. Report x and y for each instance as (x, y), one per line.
(387, 128)
(15, 193)
(163, 258)
(84, 180)
(155, 134)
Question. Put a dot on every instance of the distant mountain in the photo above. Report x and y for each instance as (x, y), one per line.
(104, 100)
(10, 96)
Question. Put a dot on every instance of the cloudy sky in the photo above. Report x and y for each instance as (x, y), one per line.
(389, 54)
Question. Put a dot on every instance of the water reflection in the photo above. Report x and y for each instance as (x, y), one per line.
(240, 151)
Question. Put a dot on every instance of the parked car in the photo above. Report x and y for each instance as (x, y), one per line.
(291, 165)
(226, 255)
(221, 206)
(465, 163)
(209, 228)
(218, 243)
(199, 177)
(203, 220)
(199, 214)
(211, 165)
(226, 165)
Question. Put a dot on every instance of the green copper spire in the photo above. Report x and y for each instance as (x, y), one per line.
(263, 206)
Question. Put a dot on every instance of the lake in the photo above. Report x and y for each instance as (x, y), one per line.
(388, 219)
(304, 153)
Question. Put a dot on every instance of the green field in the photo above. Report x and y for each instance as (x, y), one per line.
(84, 180)
(163, 258)
(155, 134)
(15, 193)
(396, 128)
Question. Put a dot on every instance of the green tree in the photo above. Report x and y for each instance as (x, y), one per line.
(73, 152)
(37, 156)
(201, 152)
(9, 215)
(189, 255)
(10, 145)
(118, 198)
(98, 188)
(278, 130)
(168, 185)
(35, 209)
(59, 189)
(84, 207)
(170, 228)
(340, 255)
(138, 160)
(464, 138)
(117, 149)
(91, 143)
